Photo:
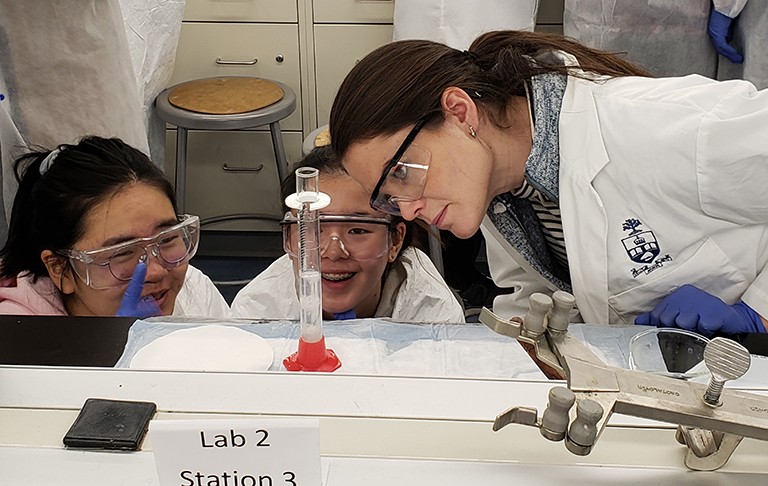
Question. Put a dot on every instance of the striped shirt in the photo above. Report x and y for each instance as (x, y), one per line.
(548, 213)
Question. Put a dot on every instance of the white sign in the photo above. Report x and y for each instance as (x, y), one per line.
(241, 452)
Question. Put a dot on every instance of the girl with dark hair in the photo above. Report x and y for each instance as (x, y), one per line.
(368, 267)
(94, 231)
(643, 197)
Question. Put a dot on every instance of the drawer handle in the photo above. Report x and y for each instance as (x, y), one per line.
(237, 63)
(226, 168)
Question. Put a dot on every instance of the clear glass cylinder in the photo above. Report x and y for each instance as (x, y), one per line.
(307, 181)
(310, 285)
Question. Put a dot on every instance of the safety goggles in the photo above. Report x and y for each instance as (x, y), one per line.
(113, 266)
(357, 237)
(404, 176)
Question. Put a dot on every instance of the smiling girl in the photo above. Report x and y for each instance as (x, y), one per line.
(84, 217)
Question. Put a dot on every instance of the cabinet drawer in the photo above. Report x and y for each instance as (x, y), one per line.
(213, 191)
(337, 49)
(242, 10)
(354, 11)
(200, 45)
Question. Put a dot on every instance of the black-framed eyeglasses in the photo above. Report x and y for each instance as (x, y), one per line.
(404, 176)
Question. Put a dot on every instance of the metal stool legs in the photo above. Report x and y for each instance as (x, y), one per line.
(277, 145)
(181, 167)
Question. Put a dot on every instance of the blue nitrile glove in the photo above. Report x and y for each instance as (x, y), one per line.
(343, 316)
(132, 304)
(691, 308)
(720, 32)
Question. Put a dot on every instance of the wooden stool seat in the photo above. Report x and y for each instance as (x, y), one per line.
(225, 95)
(225, 103)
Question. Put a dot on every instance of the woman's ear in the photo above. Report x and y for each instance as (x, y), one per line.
(458, 104)
(398, 236)
(59, 271)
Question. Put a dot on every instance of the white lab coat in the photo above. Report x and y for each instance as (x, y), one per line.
(457, 22)
(412, 291)
(686, 157)
(199, 297)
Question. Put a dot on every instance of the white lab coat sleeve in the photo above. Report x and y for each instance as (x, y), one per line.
(424, 296)
(732, 176)
(199, 297)
(729, 8)
(271, 295)
(732, 154)
(457, 23)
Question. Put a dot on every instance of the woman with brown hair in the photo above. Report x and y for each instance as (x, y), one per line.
(643, 197)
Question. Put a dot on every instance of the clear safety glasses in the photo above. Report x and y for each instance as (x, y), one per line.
(114, 265)
(404, 176)
(357, 237)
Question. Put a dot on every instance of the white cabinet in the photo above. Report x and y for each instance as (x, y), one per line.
(337, 49)
(233, 172)
(242, 10)
(353, 11)
(344, 32)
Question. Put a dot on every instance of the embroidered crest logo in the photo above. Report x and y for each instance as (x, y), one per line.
(641, 246)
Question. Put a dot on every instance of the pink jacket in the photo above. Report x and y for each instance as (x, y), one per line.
(21, 296)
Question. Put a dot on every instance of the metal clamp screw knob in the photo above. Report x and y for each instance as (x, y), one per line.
(726, 360)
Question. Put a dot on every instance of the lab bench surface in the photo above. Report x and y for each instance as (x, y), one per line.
(374, 430)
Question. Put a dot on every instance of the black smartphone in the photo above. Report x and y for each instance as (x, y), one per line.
(110, 425)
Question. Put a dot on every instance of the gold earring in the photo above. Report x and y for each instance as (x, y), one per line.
(472, 132)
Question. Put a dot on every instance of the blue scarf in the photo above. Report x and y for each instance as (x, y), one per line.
(515, 218)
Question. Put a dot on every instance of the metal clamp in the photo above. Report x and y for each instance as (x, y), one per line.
(712, 420)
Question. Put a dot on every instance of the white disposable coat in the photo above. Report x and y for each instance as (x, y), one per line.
(414, 291)
(72, 68)
(199, 297)
(750, 38)
(670, 38)
(686, 157)
(457, 22)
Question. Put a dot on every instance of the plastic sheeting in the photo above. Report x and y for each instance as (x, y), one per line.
(670, 38)
(667, 38)
(750, 37)
(152, 29)
(384, 347)
(70, 68)
(379, 347)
